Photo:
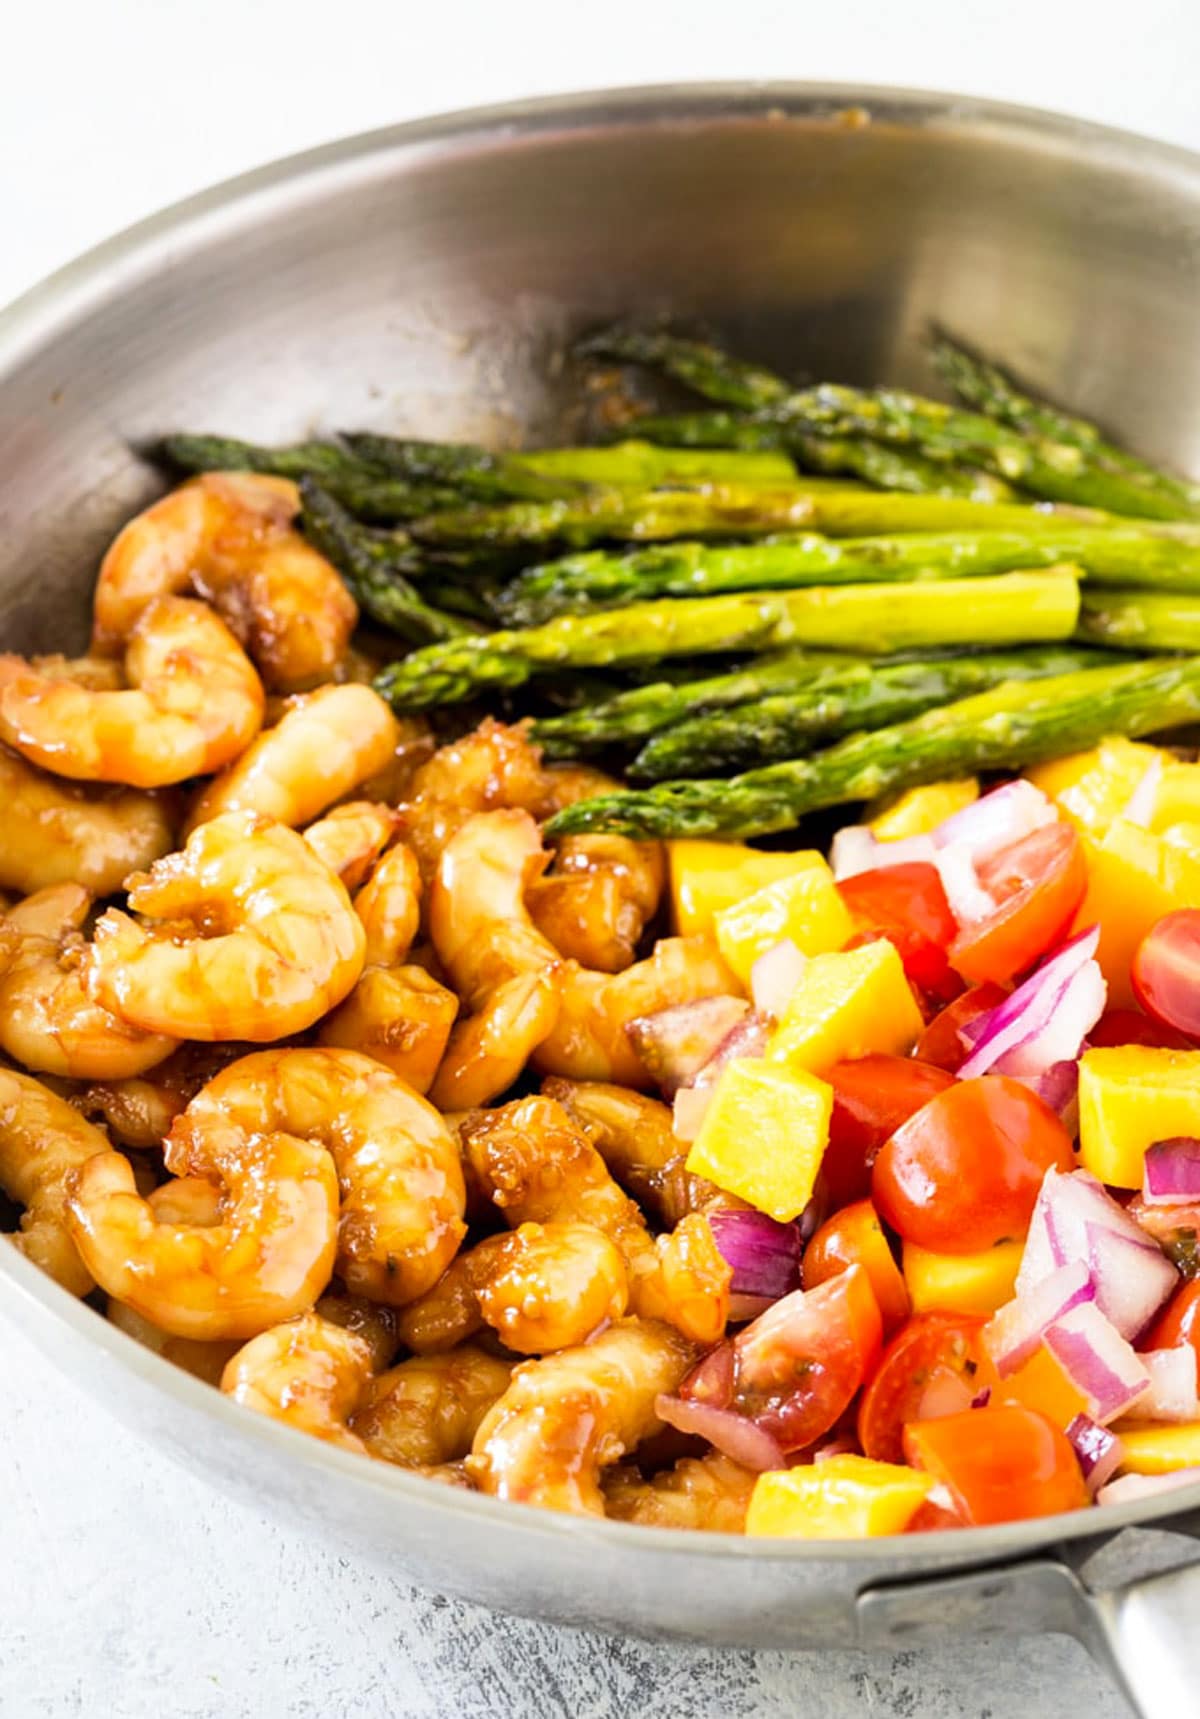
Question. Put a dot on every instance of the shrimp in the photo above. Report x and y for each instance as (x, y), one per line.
(192, 704)
(326, 744)
(255, 938)
(567, 1416)
(631, 1132)
(397, 1163)
(493, 767)
(139, 1112)
(43, 1140)
(426, 1411)
(711, 1493)
(229, 537)
(62, 832)
(379, 1327)
(47, 1020)
(542, 1287)
(267, 1259)
(307, 1372)
(351, 838)
(389, 905)
(596, 899)
(399, 1016)
(589, 1040)
(202, 1360)
(537, 1166)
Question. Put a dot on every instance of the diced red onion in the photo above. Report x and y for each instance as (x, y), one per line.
(1098, 1361)
(747, 1039)
(981, 1399)
(1139, 808)
(969, 901)
(997, 819)
(1172, 1172)
(675, 1044)
(1132, 1275)
(1130, 1486)
(774, 977)
(734, 1435)
(1043, 1021)
(689, 1110)
(856, 848)
(764, 1254)
(1172, 1393)
(1058, 1086)
(1100, 1451)
(1012, 1334)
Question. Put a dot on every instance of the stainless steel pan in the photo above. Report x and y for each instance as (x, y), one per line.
(426, 277)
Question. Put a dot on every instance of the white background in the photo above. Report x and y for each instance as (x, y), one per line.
(125, 1588)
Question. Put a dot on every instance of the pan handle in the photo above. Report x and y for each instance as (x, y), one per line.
(1144, 1634)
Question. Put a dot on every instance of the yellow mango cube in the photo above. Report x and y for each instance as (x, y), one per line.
(1129, 1097)
(842, 1498)
(919, 810)
(847, 1004)
(1184, 835)
(1157, 1447)
(707, 877)
(961, 1282)
(1134, 878)
(1093, 788)
(763, 1136)
(1177, 798)
(804, 907)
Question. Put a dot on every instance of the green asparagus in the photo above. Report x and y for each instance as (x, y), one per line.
(1142, 620)
(342, 474)
(544, 473)
(1009, 609)
(1007, 728)
(706, 369)
(840, 701)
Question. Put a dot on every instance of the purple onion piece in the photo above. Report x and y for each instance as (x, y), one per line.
(763, 1254)
(1172, 1171)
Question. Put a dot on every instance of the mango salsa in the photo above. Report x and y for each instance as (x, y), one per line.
(845, 1005)
(919, 810)
(1129, 1097)
(1155, 1447)
(707, 877)
(1177, 799)
(1044, 1385)
(804, 907)
(1093, 788)
(1134, 878)
(842, 1498)
(763, 1136)
(961, 1282)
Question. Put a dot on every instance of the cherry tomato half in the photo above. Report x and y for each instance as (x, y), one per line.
(854, 1236)
(1038, 883)
(907, 905)
(1179, 1322)
(942, 1043)
(964, 1172)
(1166, 972)
(935, 1365)
(1131, 1027)
(999, 1465)
(872, 1096)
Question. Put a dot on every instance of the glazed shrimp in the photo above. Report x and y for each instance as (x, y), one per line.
(308, 1373)
(377, 1326)
(267, 1259)
(492, 768)
(426, 1411)
(542, 1287)
(350, 838)
(230, 538)
(61, 832)
(596, 899)
(710, 1492)
(250, 937)
(567, 1416)
(202, 1360)
(326, 744)
(589, 1040)
(139, 1112)
(389, 905)
(631, 1132)
(399, 1016)
(193, 702)
(43, 1140)
(402, 1193)
(47, 1020)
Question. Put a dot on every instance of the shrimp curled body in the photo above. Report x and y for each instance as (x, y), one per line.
(55, 831)
(43, 1140)
(308, 1373)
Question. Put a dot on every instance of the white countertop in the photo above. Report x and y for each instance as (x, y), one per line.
(128, 1590)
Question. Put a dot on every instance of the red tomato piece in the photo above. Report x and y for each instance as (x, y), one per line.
(795, 1370)
(1179, 1322)
(854, 1236)
(872, 1096)
(1176, 1229)
(964, 1172)
(1038, 884)
(1166, 972)
(942, 1043)
(907, 905)
(999, 1465)
(935, 1365)
(1131, 1027)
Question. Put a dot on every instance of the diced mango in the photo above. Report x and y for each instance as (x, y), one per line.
(1093, 788)
(1129, 1097)
(847, 1004)
(1183, 835)
(804, 907)
(1177, 798)
(961, 1282)
(763, 1136)
(1134, 878)
(919, 810)
(842, 1498)
(1157, 1447)
(707, 877)
(1043, 1384)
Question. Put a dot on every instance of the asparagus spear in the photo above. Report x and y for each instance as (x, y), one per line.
(1013, 608)
(373, 571)
(543, 473)
(1007, 728)
(840, 701)
(1123, 555)
(1142, 620)
(707, 369)
(341, 473)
